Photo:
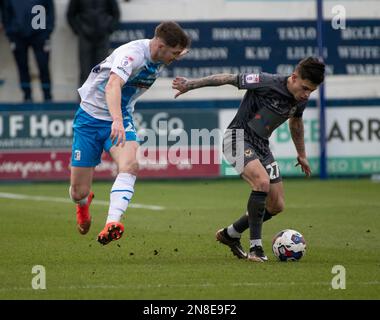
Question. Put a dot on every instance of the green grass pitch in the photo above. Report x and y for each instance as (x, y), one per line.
(172, 253)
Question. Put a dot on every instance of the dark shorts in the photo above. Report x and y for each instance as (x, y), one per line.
(239, 149)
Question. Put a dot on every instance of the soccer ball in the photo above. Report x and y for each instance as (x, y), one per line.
(289, 245)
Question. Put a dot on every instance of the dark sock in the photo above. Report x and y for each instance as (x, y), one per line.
(241, 224)
(267, 215)
(256, 208)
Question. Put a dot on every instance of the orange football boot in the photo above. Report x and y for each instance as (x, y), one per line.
(112, 231)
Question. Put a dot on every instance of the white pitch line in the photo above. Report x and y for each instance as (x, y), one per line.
(16, 196)
(197, 285)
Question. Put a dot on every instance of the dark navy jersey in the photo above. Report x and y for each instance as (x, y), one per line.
(266, 104)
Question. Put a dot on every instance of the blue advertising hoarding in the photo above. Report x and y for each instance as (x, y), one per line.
(270, 46)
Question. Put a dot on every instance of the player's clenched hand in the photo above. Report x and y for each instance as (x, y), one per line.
(117, 132)
(180, 84)
(305, 167)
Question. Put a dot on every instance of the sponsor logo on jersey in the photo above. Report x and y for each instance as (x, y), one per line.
(141, 83)
(252, 78)
(123, 70)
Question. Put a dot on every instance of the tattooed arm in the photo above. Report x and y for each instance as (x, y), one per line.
(297, 131)
(183, 85)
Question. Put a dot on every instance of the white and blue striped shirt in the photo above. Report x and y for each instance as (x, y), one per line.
(131, 62)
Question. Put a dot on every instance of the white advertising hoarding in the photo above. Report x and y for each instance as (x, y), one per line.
(353, 140)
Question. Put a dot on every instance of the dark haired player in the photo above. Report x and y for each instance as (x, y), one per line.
(270, 100)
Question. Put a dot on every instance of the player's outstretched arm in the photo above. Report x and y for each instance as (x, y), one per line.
(297, 132)
(183, 85)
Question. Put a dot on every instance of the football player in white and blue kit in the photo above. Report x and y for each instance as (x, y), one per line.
(104, 121)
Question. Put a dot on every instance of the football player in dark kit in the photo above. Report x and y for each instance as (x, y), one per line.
(270, 100)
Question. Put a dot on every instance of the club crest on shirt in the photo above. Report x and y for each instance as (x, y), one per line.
(292, 110)
(248, 153)
(252, 78)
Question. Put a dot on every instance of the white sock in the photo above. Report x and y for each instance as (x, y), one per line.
(232, 232)
(121, 194)
(255, 242)
(81, 202)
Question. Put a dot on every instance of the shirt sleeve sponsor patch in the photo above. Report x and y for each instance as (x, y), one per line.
(126, 61)
(123, 70)
(252, 78)
(123, 67)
